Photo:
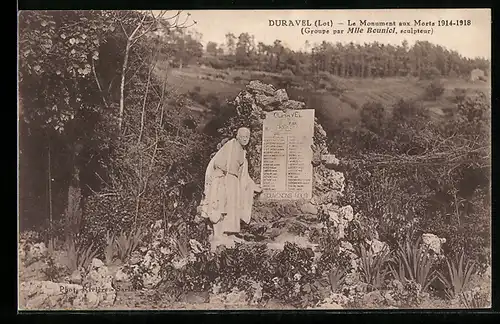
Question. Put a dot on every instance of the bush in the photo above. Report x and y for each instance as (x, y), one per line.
(430, 73)
(434, 90)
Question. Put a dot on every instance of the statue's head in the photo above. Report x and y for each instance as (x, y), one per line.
(243, 136)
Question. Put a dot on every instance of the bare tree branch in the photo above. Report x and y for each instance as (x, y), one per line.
(99, 84)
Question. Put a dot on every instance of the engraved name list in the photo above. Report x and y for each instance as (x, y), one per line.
(286, 169)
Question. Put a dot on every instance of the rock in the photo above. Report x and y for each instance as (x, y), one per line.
(179, 263)
(257, 86)
(46, 294)
(215, 299)
(32, 252)
(339, 299)
(151, 264)
(309, 208)
(351, 278)
(373, 299)
(318, 128)
(280, 240)
(328, 197)
(334, 216)
(34, 271)
(292, 105)
(121, 275)
(316, 158)
(196, 297)
(75, 277)
(337, 181)
(267, 103)
(347, 246)
(328, 303)
(96, 263)
(96, 290)
(433, 242)
(236, 297)
(330, 161)
(377, 246)
(347, 213)
(92, 299)
(281, 95)
(98, 281)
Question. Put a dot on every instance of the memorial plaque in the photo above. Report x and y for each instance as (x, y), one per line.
(286, 169)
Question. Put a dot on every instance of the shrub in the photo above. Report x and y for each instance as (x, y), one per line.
(80, 256)
(291, 278)
(458, 277)
(128, 241)
(459, 94)
(430, 73)
(434, 90)
(475, 298)
(414, 263)
(336, 277)
(373, 267)
(53, 271)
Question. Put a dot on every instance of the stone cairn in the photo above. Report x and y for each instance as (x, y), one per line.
(328, 181)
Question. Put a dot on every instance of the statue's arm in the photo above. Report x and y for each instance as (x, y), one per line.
(256, 187)
(220, 159)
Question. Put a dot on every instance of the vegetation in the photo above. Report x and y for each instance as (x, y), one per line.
(108, 147)
(424, 60)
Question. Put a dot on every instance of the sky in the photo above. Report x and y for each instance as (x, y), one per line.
(470, 41)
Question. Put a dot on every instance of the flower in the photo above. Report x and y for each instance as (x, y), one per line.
(179, 264)
(297, 277)
(296, 288)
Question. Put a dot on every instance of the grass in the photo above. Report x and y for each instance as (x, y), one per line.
(358, 91)
(127, 242)
(413, 263)
(373, 267)
(458, 277)
(80, 256)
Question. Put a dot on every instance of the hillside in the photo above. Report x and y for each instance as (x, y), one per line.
(341, 99)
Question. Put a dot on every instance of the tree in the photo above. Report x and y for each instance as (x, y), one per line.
(134, 26)
(58, 86)
(212, 48)
(231, 43)
(243, 49)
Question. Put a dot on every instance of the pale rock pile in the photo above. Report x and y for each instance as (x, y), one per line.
(328, 180)
(236, 297)
(433, 243)
(32, 260)
(95, 290)
(334, 301)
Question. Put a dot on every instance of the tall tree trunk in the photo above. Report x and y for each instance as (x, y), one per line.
(74, 208)
(122, 85)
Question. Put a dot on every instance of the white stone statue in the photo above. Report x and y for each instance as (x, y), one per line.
(229, 190)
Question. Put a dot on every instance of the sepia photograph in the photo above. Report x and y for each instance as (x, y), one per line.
(254, 159)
